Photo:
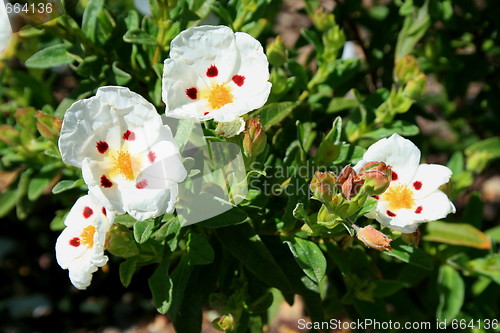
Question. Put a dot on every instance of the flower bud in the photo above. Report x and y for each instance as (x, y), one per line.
(255, 138)
(415, 87)
(407, 68)
(349, 183)
(377, 176)
(373, 238)
(48, 125)
(224, 323)
(323, 186)
(277, 52)
(323, 20)
(412, 239)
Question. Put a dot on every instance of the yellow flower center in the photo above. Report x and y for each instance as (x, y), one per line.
(399, 196)
(87, 236)
(124, 165)
(219, 96)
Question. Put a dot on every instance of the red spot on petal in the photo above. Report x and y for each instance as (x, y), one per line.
(205, 113)
(239, 80)
(104, 211)
(417, 185)
(376, 197)
(151, 156)
(192, 93)
(142, 184)
(129, 135)
(75, 242)
(419, 210)
(105, 182)
(87, 212)
(102, 146)
(391, 214)
(394, 176)
(212, 71)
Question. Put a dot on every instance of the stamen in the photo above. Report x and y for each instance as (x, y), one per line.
(87, 236)
(219, 96)
(123, 165)
(399, 197)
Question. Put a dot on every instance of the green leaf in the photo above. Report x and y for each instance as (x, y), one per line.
(415, 25)
(494, 233)
(36, 187)
(309, 257)
(274, 113)
(386, 288)
(409, 254)
(338, 104)
(52, 56)
(488, 266)
(127, 270)
(169, 232)
(244, 243)
(121, 242)
(8, 201)
(138, 36)
(118, 76)
(329, 149)
(481, 153)
(456, 234)
(143, 230)
(90, 19)
(161, 287)
(65, 185)
(232, 216)
(57, 223)
(400, 127)
(451, 293)
(199, 249)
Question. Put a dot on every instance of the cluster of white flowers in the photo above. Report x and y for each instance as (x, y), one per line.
(131, 163)
(129, 159)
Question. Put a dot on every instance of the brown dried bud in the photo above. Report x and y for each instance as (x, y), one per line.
(349, 183)
(373, 238)
(377, 176)
(323, 185)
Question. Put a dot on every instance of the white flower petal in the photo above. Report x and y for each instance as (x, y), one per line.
(428, 178)
(396, 220)
(5, 29)
(435, 206)
(204, 46)
(401, 154)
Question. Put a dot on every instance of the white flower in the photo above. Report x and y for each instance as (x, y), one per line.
(413, 196)
(214, 73)
(129, 159)
(5, 29)
(80, 247)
